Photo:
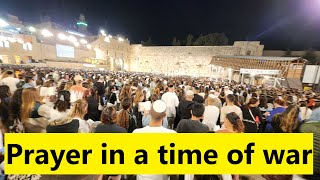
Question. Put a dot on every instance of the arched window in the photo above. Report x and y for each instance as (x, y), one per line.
(24, 46)
(29, 46)
(6, 44)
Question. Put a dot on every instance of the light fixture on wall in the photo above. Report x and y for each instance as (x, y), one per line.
(3, 23)
(120, 39)
(72, 39)
(89, 46)
(32, 29)
(83, 41)
(62, 36)
(107, 39)
(46, 33)
(103, 32)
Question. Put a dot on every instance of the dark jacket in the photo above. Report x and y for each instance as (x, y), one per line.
(66, 125)
(100, 87)
(197, 98)
(313, 127)
(183, 111)
(109, 128)
(93, 112)
(252, 126)
(191, 126)
(138, 115)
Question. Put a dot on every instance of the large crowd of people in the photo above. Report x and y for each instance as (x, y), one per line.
(49, 100)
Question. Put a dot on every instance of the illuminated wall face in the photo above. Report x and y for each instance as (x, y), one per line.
(65, 51)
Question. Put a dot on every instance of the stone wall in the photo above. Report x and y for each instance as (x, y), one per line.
(186, 60)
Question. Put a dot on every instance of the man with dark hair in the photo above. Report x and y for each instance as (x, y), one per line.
(193, 125)
(197, 98)
(101, 90)
(230, 107)
(29, 82)
(184, 108)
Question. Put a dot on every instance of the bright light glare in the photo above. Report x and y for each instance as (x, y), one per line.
(20, 41)
(13, 40)
(109, 36)
(89, 46)
(120, 39)
(72, 39)
(46, 33)
(76, 44)
(103, 32)
(83, 41)
(106, 39)
(3, 23)
(32, 29)
(62, 36)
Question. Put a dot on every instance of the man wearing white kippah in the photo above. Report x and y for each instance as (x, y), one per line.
(158, 113)
(171, 100)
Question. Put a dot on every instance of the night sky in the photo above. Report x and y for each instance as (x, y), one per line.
(279, 24)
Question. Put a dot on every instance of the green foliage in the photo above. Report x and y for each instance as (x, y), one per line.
(212, 39)
(148, 43)
(287, 53)
(189, 40)
(176, 42)
(311, 56)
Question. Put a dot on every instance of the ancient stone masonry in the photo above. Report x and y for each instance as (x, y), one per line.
(186, 60)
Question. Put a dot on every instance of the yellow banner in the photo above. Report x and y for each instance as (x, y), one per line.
(211, 153)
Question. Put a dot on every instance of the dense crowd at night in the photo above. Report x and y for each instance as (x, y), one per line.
(49, 100)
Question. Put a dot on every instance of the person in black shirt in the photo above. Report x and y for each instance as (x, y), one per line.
(251, 115)
(197, 98)
(100, 88)
(193, 125)
(93, 103)
(184, 108)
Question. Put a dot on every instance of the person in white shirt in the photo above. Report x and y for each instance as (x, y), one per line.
(57, 110)
(230, 107)
(305, 112)
(10, 80)
(227, 91)
(171, 100)
(158, 113)
(211, 113)
(79, 110)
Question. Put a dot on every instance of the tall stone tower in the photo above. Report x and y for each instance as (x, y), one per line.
(82, 24)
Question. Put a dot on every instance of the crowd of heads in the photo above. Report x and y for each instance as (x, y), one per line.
(88, 99)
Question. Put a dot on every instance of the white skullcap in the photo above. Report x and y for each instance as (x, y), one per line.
(189, 93)
(165, 82)
(159, 106)
(212, 96)
(211, 90)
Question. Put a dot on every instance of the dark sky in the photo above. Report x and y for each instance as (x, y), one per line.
(279, 24)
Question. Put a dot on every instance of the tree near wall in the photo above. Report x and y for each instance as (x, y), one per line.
(148, 42)
(311, 56)
(189, 40)
(212, 39)
(287, 53)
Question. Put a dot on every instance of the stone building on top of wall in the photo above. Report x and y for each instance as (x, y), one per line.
(54, 45)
